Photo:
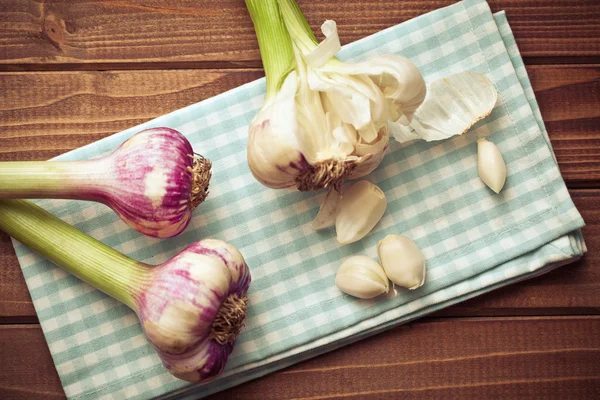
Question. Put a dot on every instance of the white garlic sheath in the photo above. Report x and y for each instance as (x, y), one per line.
(362, 205)
(362, 277)
(402, 261)
(490, 165)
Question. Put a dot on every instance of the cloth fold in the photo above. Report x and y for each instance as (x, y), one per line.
(474, 240)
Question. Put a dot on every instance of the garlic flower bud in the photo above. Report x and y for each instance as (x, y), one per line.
(323, 120)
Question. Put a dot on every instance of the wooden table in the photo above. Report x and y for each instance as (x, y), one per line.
(75, 71)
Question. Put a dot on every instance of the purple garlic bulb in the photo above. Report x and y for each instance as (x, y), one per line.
(193, 306)
(153, 181)
(156, 181)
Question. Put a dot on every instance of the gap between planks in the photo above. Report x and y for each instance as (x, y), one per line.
(241, 64)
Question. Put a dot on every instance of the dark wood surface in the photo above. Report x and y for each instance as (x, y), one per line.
(72, 72)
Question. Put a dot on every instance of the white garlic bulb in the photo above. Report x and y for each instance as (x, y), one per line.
(361, 277)
(362, 205)
(490, 165)
(323, 121)
(402, 260)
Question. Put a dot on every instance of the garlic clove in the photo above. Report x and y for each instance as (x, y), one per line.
(490, 165)
(326, 216)
(402, 261)
(362, 277)
(362, 205)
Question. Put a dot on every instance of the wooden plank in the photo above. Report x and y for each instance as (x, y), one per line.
(572, 289)
(109, 32)
(27, 369)
(44, 114)
(476, 358)
(525, 358)
(569, 98)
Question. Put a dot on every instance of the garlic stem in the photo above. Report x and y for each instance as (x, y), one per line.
(83, 256)
(274, 42)
(84, 180)
(297, 25)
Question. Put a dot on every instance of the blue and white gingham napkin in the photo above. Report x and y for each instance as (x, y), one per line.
(474, 241)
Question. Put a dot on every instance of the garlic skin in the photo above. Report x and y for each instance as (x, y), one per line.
(490, 165)
(452, 106)
(402, 260)
(193, 306)
(272, 149)
(362, 277)
(361, 207)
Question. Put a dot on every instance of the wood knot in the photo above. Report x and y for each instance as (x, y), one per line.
(53, 30)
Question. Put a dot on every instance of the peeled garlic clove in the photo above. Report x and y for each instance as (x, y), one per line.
(362, 205)
(362, 277)
(453, 105)
(402, 260)
(326, 216)
(490, 164)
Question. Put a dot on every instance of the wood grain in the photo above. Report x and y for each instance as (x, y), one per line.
(27, 370)
(44, 114)
(214, 33)
(525, 358)
(48, 113)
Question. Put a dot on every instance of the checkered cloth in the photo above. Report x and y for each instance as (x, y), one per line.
(474, 240)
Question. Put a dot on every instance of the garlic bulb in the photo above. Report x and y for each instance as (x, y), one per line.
(359, 210)
(490, 164)
(361, 277)
(453, 105)
(323, 120)
(402, 261)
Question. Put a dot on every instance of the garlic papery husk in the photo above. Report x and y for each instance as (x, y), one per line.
(273, 155)
(361, 277)
(328, 210)
(312, 140)
(371, 155)
(490, 165)
(453, 105)
(361, 207)
(402, 261)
